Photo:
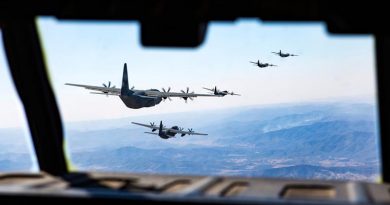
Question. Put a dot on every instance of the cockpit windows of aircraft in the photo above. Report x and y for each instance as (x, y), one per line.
(255, 99)
(16, 149)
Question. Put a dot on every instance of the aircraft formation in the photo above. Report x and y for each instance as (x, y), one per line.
(136, 99)
(280, 54)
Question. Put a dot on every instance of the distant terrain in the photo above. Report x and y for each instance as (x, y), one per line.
(334, 140)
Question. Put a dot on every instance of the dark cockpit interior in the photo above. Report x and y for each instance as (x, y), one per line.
(174, 24)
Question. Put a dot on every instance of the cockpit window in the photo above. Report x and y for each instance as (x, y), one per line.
(16, 151)
(256, 99)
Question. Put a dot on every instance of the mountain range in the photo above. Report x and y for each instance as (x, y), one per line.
(323, 140)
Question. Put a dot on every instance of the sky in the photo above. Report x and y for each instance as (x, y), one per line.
(328, 67)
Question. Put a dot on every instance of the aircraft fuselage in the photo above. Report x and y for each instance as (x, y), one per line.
(284, 55)
(263, 65)
(136, 100)
(168, 134)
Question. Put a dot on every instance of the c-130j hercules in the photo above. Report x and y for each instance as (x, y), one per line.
(136, 99)
(283, 55)
(166, 133)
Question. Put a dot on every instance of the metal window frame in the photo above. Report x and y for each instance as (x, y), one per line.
(26, 62)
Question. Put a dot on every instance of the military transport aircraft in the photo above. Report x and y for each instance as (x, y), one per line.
(136, 99)
(220, 93)
(261, 65)
(166, 133)
(283, 55)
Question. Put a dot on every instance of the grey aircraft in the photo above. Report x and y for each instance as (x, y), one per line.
(220, 93)
(261, 65)
(283, 55)
(166, 133)
(136, 99)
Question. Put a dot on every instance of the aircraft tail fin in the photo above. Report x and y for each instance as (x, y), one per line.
(160, 128)
(125, 81)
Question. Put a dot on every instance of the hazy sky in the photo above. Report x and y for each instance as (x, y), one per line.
(93, 53)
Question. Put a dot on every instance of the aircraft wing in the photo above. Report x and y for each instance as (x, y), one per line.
(152, 133)
(148, 126)
(186, 132)
(175, 94)
(104, 90)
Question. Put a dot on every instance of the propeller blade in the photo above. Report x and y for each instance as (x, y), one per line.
(166, 91)
(109, 83)
(104, 85)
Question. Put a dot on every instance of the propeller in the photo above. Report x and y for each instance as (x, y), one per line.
(187, 92)
(109, 85)
(153, 125)
(167, 91)
(181, 129)
(190, 130)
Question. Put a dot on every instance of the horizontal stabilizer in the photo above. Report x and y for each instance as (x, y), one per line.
(152, 133)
